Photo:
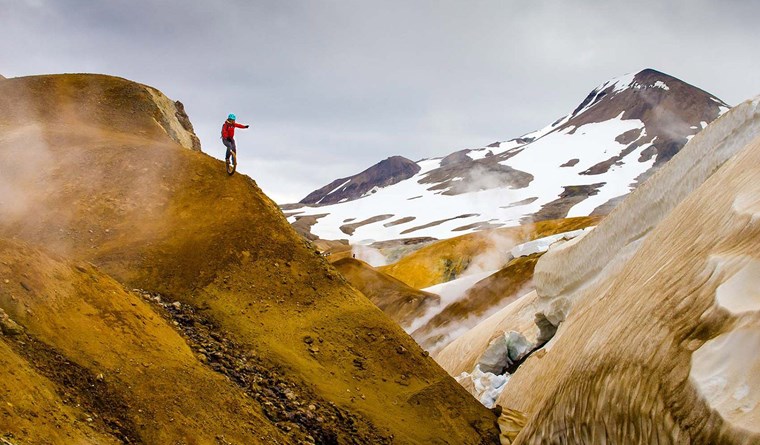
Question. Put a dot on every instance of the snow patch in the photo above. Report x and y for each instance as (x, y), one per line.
(479, 153)
(334, 190)
(489, 378)
(741, 292)
(726, 371)
(661, 84)
(504, 351)
(487, 386)
(373, 190)
(747, 203)
(543, 244)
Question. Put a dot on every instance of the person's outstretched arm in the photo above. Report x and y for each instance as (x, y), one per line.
(241, 125)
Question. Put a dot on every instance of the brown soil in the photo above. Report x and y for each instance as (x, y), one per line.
(403, 220)
(349, 229)
(304, 223)
(570, 196)
(436, 223)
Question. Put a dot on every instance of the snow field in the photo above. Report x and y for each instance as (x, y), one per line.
(592, 143)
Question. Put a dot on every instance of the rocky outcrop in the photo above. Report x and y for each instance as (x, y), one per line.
(8, 326)
(175, 121)
(95, 102)
(456, 178)
(388, 172)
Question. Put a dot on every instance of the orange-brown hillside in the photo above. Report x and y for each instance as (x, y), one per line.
(445, 260)
(93, 169)
(399, 301)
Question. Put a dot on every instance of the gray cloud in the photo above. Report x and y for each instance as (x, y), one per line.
(334, 86)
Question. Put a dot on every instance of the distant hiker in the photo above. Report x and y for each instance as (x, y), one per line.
(228, 138)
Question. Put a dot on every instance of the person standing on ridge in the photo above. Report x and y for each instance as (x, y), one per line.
(228, 139)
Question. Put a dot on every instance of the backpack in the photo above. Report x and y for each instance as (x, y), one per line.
(226, 130)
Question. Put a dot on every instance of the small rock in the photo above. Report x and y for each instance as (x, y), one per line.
(177, 305)
(6, 281)
(400, 349)
(100, 377)
(8, 326)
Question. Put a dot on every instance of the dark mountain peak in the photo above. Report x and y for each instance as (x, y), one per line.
(386, 172)
(671, 109)
(652, 75)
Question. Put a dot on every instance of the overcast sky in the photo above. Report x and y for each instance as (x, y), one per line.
(331, 87)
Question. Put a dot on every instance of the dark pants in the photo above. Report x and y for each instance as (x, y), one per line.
(231, 148)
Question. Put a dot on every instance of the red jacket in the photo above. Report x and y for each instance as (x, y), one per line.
(228, 129)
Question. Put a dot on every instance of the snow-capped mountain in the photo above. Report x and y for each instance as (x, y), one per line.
(582, 164)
